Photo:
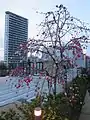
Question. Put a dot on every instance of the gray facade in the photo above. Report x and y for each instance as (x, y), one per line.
(16, 32)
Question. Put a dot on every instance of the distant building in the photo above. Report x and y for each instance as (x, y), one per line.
(88, 62)
(1, 54)
(78, 62)
(16, 32)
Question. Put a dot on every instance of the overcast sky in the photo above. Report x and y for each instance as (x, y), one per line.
(27, 8)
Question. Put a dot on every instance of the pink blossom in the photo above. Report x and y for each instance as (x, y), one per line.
(78, 55)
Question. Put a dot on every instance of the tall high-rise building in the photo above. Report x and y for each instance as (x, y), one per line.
(16, 32)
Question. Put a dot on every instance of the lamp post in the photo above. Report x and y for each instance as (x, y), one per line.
(37, 113)
(29, 63)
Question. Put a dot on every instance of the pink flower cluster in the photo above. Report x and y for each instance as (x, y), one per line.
(51, 80)
(17, 71)
(26, 80)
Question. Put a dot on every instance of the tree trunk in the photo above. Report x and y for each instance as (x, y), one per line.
(55, 86)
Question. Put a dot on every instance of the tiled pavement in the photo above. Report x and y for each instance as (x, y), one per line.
(10, 94)
(85, 113)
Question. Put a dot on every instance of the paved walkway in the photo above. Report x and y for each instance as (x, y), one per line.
(85, 113)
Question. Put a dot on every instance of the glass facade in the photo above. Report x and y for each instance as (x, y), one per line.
(16, 32)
